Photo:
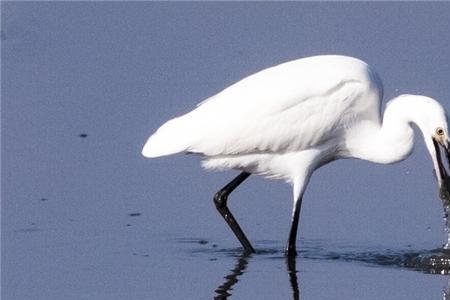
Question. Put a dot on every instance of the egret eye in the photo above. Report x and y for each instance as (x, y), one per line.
(439, 131)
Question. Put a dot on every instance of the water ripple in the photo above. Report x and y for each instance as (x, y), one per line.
(434, 261)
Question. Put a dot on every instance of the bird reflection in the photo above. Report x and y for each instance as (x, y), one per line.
(292, 271)
(223, 291)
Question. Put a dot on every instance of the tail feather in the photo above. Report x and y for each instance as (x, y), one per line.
(169, 139)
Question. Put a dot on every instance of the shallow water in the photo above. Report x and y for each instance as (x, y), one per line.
(158, 267)
(317, 255)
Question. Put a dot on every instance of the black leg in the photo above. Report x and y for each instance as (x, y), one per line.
(291, 248)
(220, 200)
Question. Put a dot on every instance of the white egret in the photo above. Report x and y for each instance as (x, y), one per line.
(287, 121)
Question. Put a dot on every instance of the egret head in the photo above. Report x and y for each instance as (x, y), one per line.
(432, 120)
(440, 140)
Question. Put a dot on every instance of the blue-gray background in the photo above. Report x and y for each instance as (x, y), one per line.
(117, 70)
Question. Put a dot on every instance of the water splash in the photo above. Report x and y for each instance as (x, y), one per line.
(447, 225)
(446, 292)
(444, 194)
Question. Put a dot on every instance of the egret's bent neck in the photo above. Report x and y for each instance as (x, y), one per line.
(389, 142)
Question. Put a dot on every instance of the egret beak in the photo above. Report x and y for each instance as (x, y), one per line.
(441, 148)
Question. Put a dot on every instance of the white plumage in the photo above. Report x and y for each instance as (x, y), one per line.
(288, 120)
(288, 108)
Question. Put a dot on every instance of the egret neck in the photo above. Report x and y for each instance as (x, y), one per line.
(392, 140)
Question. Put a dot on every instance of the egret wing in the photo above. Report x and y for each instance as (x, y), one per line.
(289, 107)
(284, 109)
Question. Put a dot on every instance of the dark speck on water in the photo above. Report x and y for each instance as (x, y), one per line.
(28, 230)
(83, 135)
(44, 199)
(134, 214)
